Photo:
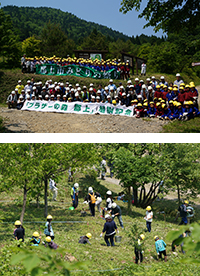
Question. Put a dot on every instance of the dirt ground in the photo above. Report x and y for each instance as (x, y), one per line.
(18, 121)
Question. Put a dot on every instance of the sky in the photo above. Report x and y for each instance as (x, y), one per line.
(104, 12)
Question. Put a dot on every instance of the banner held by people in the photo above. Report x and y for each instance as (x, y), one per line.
(78, 108)
(75, 70)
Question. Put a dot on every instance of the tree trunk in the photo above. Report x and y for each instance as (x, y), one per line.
(135, 196)
(129, 199)
(45, 197)
(24, 204)
(179, 196)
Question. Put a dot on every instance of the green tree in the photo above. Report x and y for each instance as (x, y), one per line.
(9, 45)
(31, 46)
(167, 15)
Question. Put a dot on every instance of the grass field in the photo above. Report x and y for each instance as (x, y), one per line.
(101, 260)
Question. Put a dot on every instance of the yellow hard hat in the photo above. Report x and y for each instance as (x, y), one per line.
(186, 202)
(114, 102)
(17, 222)
(175, 103)
(160, 99)
(145, 104)
(89, 235)
(192, 85)
(148, 208)
(155, 238)
(190, 102)
(49, 217)
(142, 236)
(175, 89)
(139, 104)
(170, 88)
(178, 104)
(145, 100)
(151, 102)
(36, 234)
(183, 84)
(157, 86)
(48, 239)
(186, 103)
(181, 88)
(158, 104)
(163, 105)
(171, 102)
(175, 85)
(187, 85)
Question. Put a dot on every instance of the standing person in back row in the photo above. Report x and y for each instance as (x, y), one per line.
(103, 168)
(149, 218)
(53, 188)
(74, 195)
(91, 199)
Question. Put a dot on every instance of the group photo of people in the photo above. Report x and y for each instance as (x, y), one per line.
(150, 98)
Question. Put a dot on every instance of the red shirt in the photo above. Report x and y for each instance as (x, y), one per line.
(159, 112)
(181, 97)
(158, 94)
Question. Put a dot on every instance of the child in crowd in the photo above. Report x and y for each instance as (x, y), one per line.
(35, 240)
(139, 249)
(19, 232)
(48, 231)
(160, 248)
(85, 239)
(149, 218)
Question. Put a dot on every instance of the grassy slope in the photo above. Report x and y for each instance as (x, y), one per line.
(99, 256)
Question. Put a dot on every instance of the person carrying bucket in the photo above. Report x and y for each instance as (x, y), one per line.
(74, 195)
(109, 229)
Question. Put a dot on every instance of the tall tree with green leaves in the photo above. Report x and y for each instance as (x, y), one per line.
(168, 15)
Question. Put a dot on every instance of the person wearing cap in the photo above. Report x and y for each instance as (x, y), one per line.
(111, 84)
(139, 248)
(12, 100)
(94, 91)
(170, 95)
(19, 232)
(167, 115)
(196, 112)
(116, 212)
(143, 69)
(109, 99)
(74, 195)
(160, 248)
(36, 239)
(183, 212)
(20, 102)
(181, 95)
(49, 242)
(77, 97)
(20, 87)
(85, 239)
(125, 100)
(139, 111)
(48, 231)
(178, 113)
(154, 82)
(149, 218)
(28, 86)
(92, 200)
(150, 93)
(158, 92)
(109, 229)
(162, 78)
(159, 110)
(178, 80)
(187, 111)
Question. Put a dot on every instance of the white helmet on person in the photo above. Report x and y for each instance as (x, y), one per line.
(109, 193)
(107, 216)
(114, 205)
(76, 185)
(90, 189)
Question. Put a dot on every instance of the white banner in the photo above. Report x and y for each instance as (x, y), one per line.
(78, 108)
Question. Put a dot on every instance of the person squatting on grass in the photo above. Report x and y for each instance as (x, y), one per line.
(36, 239)
(85, 239)
(109, 229)
(160, 248)
(149, 218)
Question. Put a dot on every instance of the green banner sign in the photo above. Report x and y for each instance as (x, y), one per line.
(75, 70)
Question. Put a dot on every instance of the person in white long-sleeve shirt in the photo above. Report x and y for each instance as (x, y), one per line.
(53, 188)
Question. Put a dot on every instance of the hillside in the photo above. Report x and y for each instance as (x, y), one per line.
(28, 21)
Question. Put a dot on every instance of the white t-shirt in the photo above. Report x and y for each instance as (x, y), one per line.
(109, 203)
(148, 215)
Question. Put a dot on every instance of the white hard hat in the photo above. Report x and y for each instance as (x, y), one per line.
(153, 77)
(28, 81)
(16, 89)
(19, 81)
(97, 98)
(52, 96)
(148, 79)
(64, 96)
(72, 89)
(143, 86)
(109, 193)
(139, 97)
(106, 88)
(21, 97)
(77, 84)
(108, 97)
(114, 205)
(58, 95)
(76, 185)
(107, 216)
(90, 89)
(62, 84)
(162, 77)
(93, 97)
(129, 81)
(178, 75)
(90, 189)
(91, 84)
(13, 92)
(34, 87)
(67, 82)
(110, 80)
(28, 97)
(124, 94)
(40, 96)
(121, 87)
(84, 87)
(98, 91)
(47, 96)
(76, 94)
(67, 88)
(79, 89)
(150, 88)
(33, 95)
(141, 81)
(28, 90)
(136, 79)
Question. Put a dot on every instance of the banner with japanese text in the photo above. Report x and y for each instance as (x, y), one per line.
(75, 70)
(78, 108)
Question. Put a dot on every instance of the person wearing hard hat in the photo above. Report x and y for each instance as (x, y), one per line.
(139, 249)
(167, 114)
(19, 232)
(149, 218)
(74, 195)
(12, 100)
(196, 112)
(103, 168)
(35, 240)
(143, 69)
(109, 202)
(139, 111)
(178, 113)
(20, 87)
(116, 212)
(92, 200)
(152, 110)
(183, 212)
(53, 188)
(109, 229)
(187, 111)
(178, 80)
(162, 78)
(159, 110)
(85, 239)
(160, 248)
(50, 243)
(48, 231)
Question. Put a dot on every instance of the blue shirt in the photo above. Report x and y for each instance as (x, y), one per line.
(109, 228)
(160, 245)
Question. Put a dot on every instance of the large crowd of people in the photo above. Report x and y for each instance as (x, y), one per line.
(152, 98)
(29, 64)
